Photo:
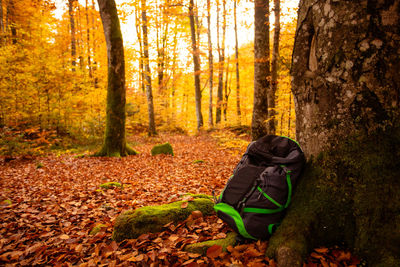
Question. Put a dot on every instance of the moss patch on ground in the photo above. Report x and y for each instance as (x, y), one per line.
(97, 228)
(162, 149)
(150, 219)
(110, 185)
(201, 247)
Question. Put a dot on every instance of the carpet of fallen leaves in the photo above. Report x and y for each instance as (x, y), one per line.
(49, 205)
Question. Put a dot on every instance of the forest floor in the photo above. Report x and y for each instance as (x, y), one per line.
(49, 205)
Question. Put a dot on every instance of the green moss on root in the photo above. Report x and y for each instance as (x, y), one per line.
(198, 195)
(162, 149)
(150, 219)
(348, 196)
(201, 247)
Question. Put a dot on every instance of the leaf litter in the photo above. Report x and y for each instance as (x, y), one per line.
(54, 208)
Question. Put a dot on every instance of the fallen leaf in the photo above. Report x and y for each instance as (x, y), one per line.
(173, 238)
(214, 251)
(79, 248)
(324, 263)
(64, 237)
(197, 214)
(184, 205)
(321, 250)
(344, 256)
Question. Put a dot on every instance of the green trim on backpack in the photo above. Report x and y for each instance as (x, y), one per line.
(225, 208)
(289, 182)
(291, 139)
(262, 211)
(281, 208)
(271, 229)
(269, 198)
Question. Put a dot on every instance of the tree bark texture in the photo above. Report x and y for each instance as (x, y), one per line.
(114, 143)
(196, 66)
(274, 70)
(261, 68)
(149, 91)
(238, 111)
(346, 87)
(345, 69)
(210, 65)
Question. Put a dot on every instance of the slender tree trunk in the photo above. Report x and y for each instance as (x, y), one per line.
(261, 68)
(289, 113)
(149, 92)
(160, 71)
(274, 71)
(80, 39)
(345, 82)
(114, 141)
(141, 55)
(173, 84)
(94, 29)
(11, 23)
(221, 59)
(88, 39)
(162, 38)
(197, 23)
(196, 66)
(238, 111)
(210, 65)
(1, 23)
(226, 93)
(72, 29)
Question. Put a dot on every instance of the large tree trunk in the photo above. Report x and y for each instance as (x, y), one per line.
(149, 91)
(261, 68)
(196, 64)
(210, 65)
(346, 87)
(114, 142)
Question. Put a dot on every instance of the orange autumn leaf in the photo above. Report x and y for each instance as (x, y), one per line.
(214, 251)
(321, 250)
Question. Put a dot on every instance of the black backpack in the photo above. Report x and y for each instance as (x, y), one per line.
(255, 199)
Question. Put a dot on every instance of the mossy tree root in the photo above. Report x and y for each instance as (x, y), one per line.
(151, 219)
(201, 247)
(348, 195)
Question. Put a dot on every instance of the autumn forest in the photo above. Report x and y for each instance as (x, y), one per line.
(168, 132)
(54, 69)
